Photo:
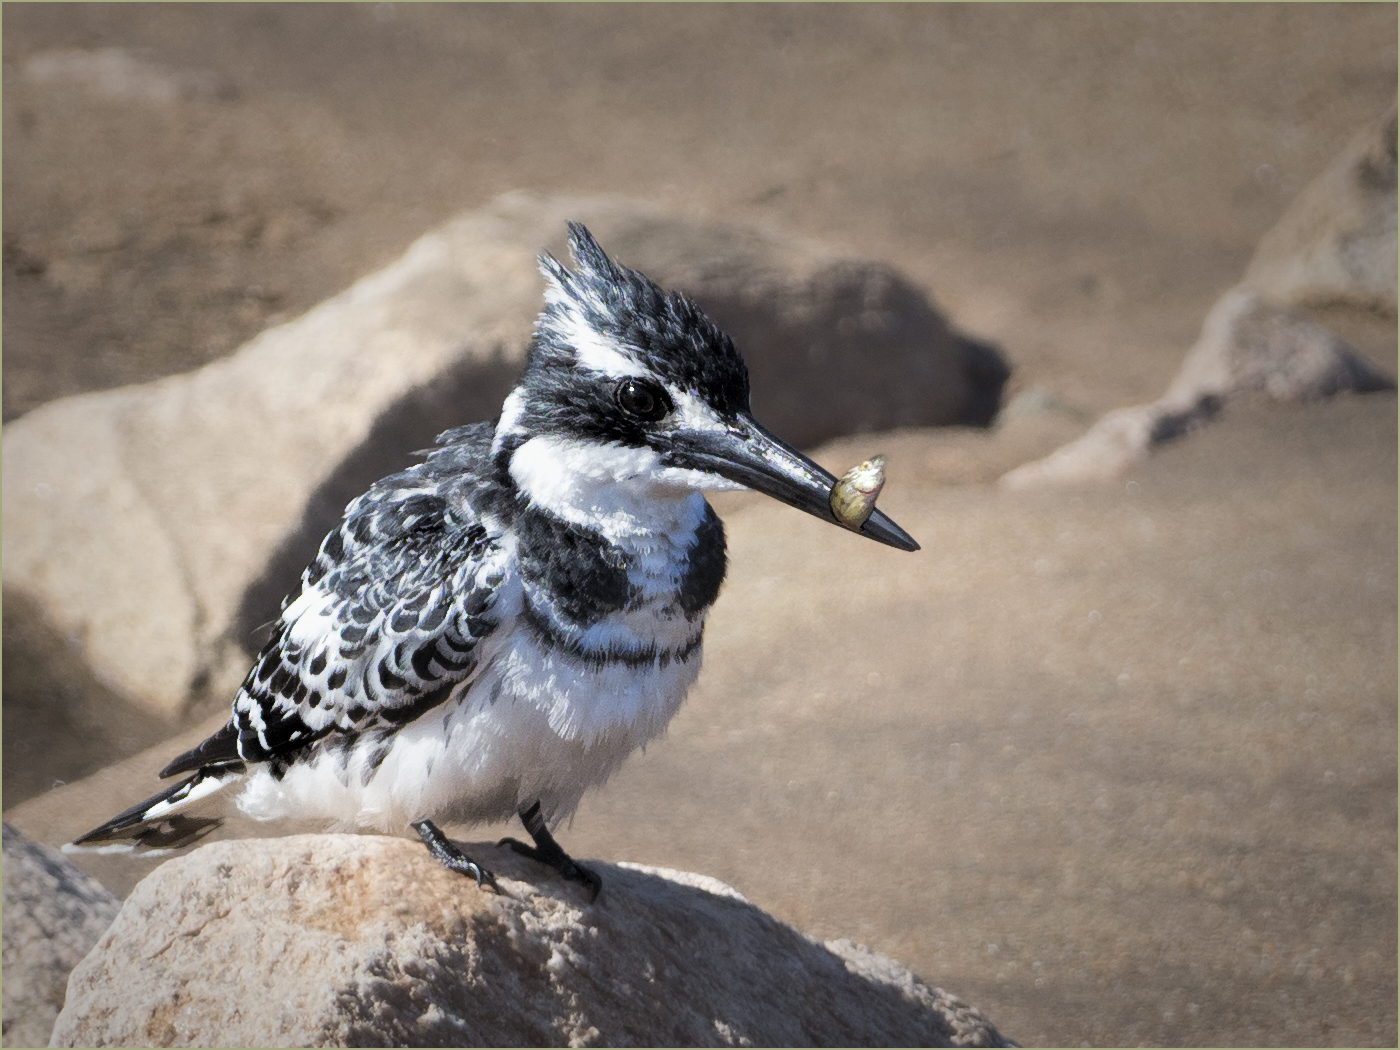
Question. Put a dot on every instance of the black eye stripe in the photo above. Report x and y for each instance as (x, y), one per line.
(643, 399)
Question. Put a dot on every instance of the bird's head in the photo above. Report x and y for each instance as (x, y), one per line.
(630, 386)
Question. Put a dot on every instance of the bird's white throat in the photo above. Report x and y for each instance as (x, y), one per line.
(614, 490)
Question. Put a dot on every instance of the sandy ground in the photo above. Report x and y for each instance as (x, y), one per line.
(1116, 764)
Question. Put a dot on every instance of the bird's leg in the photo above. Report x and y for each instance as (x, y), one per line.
(450, 856)
(547, 851)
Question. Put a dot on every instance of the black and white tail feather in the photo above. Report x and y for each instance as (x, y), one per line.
(492, 631)
(160, 824)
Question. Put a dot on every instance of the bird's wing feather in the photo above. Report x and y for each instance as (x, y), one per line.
(387, 622)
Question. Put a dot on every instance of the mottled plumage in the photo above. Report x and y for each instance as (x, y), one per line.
(494, 630)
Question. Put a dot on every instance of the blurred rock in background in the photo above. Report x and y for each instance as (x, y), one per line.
(53, 915)
(1334, 250)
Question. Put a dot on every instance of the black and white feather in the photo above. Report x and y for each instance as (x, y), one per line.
(502, 624)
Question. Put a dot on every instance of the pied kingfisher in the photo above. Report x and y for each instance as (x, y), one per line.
(492, 631)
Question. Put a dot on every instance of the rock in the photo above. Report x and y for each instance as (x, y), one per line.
(1335, 246)
(1248, 346)
(160, 525)
(53, 915)
(343, 940)
(1117, 441)
(51, 695)
(1336, 243)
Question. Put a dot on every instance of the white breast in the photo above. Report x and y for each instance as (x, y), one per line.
(532, 723)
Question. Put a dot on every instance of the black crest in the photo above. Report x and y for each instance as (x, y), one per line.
(665, 331)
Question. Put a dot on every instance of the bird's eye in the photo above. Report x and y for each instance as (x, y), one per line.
(642, 400)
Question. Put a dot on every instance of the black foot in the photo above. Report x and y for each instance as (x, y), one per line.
(450, 856)
(547, 851)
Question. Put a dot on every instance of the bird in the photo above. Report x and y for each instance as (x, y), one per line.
(490, 632)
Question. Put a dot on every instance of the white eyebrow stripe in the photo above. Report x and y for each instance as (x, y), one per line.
(597, 353)
(594, 351)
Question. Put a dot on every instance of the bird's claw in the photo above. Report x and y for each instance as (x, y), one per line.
(451, 857)
(561, 862)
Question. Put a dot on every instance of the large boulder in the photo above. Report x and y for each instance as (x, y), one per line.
(53, 915)
(1248, 347)
(160, 525)
(1337, 242)
(344, 940)
(1334, 247)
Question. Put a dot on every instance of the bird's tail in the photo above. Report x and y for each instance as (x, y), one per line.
(166, 822)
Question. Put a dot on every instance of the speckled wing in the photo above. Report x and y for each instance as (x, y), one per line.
(388, 620)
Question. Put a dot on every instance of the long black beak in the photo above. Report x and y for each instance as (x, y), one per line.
(749, 454)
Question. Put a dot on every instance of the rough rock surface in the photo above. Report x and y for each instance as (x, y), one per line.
(161, 524)
(1334, 246)
(53, 915)
(326, 940)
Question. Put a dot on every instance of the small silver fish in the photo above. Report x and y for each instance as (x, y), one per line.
(853, 497)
